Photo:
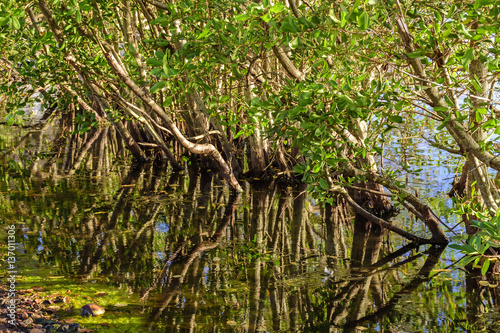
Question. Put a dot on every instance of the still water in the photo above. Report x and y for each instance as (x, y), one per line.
(174, 252)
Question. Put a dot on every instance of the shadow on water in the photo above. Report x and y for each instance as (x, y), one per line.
(196, 257)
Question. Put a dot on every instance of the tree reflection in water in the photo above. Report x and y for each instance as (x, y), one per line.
(204, 259)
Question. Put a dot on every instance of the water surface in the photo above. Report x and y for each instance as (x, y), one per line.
(180, 252)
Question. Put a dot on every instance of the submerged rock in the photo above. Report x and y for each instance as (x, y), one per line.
(92, 310)
(69, 328)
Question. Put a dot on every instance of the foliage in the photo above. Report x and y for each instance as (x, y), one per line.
(477, 245)
(263, 87)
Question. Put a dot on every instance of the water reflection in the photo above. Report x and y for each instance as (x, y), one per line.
(203, 259)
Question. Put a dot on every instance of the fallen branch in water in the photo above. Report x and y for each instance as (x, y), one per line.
(377, 220)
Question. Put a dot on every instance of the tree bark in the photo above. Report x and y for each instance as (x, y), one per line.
(202, 149)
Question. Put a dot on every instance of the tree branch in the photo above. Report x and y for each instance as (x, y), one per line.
(377, 220)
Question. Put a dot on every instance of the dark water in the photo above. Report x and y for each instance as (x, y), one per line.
(179, 252)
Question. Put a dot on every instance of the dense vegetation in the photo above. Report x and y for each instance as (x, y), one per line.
(267, 89)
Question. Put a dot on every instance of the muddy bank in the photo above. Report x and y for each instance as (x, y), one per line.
(37, 312)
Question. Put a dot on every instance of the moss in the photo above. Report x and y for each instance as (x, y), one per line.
(123, 310)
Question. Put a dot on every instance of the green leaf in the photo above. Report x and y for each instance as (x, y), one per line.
(479, 117)
(159, 20)
(443, 125)
(482, 3)
(4, 20)
(207, 31)
(288, 27)
(396, 119)
(305, 101)
(438, 16)
(477, 85)
(363, 21)
(467, 57)
(295, 111)
(235, 71)
(415, 54)
(323, 184)
(160, 55)
(399, 106)
(266, 17)
(256, 102)
(78, 16)
(437, 27)
(157, 86)
(343, 19)
(447, 32)
(470, 250)
(168, 101)
(361, 77)
(456, 246)
(441, 109)
(474, 264)
(485, 267)
(467, 260)
(169, 71)
(298, 168)
(277, 8)
(270, 44)
(154, 62)
(242, 17)
(131, 49)
(305, 22)
(492, 123)
(463, 30)
(15, 23)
